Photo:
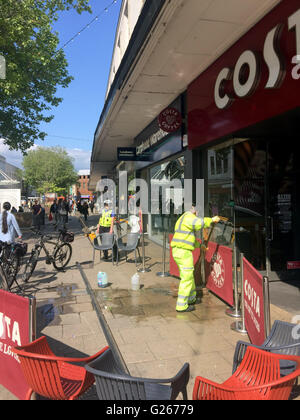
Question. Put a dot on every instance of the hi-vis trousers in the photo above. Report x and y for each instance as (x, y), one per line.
(187, 289)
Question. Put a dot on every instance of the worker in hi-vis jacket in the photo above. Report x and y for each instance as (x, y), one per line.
(183, 244)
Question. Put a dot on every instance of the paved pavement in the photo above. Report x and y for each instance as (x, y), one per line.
(78, 318)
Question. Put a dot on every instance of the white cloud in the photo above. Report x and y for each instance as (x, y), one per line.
(81, 157)
(14, 157)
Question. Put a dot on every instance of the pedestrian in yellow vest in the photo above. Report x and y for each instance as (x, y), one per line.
(183, 244)
(106, 223)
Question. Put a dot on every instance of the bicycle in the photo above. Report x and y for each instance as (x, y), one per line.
(10, 262)
(59, 257)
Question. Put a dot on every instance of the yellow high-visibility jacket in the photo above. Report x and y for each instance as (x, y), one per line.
(185, 229)
(106, 218)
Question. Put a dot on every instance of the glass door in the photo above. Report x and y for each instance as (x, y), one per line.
(283, 257)
(250, 174)
(254, 183)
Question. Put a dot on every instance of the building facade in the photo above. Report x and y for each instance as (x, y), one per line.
(10, 185)
(232, 70)
(82, 191)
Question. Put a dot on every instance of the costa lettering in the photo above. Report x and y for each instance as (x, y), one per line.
(245, 83)
(253, 298)
(9, 329)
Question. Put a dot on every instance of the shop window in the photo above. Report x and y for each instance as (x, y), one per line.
(220, 181)
(167, 182)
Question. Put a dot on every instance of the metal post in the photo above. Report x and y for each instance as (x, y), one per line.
(235, 312)
(267, 309)
(143, 269)
(32, 319)
(164, 273)
(239, 326)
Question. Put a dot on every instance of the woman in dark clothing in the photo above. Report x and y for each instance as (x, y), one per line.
(63, 210)
(85, 210)
(54, 212)
(37, 211)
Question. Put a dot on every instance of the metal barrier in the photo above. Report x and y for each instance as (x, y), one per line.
(255, 304)
(267, 307)
(239, 326)
(143, 269)
(235, 312)
(164, 273)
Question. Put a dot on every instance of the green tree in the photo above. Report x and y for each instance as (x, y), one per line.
(35, 67)
(49, 170)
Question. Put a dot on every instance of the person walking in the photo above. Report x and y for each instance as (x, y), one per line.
(62, 209)
(37, 218)
(85, 210)
(54, 212)
(8, 225)
(106, 223)
(183, 244)
(92, 205)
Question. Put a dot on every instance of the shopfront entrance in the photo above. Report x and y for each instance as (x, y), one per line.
(254, 182)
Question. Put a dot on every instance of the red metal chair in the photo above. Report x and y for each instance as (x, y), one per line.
(53, 377)
(257, 378)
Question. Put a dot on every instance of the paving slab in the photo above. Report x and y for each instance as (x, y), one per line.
(152, 337)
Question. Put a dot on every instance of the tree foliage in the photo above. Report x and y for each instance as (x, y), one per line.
(49, 170)
(35, 67)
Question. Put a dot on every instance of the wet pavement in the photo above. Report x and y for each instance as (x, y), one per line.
(153, 339)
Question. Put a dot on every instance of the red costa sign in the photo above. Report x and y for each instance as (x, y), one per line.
(255, 80)
(170, 120)
(14, 331)
(293, 265)
(218, 269)
(254, 304)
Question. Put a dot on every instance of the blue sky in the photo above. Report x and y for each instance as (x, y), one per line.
(89, 57)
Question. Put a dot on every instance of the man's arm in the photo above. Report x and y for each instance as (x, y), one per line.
(205, 223)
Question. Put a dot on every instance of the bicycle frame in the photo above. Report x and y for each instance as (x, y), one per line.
(41, 246)
(6, 263)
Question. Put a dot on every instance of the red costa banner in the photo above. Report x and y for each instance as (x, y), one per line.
(14, 331)
(254, 304)
(218, 269)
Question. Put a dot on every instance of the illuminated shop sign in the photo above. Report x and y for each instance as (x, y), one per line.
(246, 75)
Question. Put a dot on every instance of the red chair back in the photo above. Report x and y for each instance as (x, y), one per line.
(51, 376)
(257, 378)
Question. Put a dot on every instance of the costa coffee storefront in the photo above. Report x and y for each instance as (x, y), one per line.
(243, 122)
(160, 161)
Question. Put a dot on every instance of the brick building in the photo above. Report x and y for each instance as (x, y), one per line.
(82, 185)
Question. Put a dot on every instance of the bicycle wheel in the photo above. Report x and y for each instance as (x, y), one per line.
(62, 256)
(11, 269)
(30, 266)
(3, 282)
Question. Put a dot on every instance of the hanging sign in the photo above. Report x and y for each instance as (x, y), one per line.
(130, 154)
(170, 120)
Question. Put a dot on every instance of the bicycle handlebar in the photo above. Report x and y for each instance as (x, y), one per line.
(41, 235)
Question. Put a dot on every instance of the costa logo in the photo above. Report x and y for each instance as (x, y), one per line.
(218, 272)
(170, 120)
(246, 74)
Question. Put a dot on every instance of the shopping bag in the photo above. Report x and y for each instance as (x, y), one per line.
(50, 217)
